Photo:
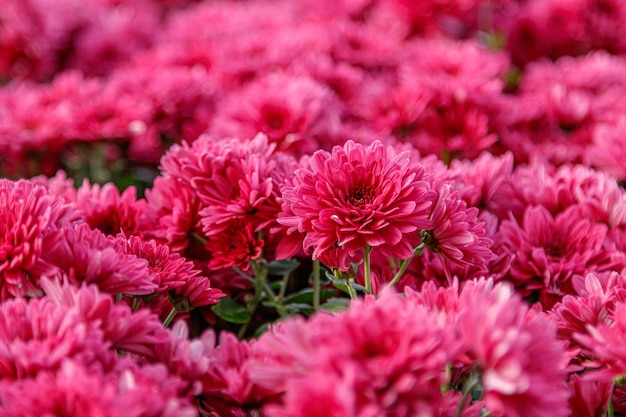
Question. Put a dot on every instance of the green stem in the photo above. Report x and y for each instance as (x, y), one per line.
(283, 286)
(260, 286)
(136, 303)
(472, 383)
(404, 264)
(367, 250)
(316, 284)
(170, 317)
(351, 291)
(403, 267)
(243, 274)
(610, 409)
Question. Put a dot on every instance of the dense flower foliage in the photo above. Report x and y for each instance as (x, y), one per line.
(347, 208)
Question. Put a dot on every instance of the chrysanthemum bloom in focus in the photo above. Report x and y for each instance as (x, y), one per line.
(356, 197)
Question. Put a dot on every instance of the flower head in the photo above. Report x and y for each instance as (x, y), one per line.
(30, 227)
(356, 196)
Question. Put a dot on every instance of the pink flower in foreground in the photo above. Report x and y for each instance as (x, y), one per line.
(226, 384)
(76, 390)
(388, 355)
(30, 221)
(588, 398)
(121, 328)
(520, 361)
(592, 306)
(356, 196)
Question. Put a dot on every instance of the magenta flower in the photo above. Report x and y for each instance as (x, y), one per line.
(550, 250)
(591, 306)
(458, 235)
(389, 354)
(76, 390)
(173, 209)
(120, 328)
(236, 245)
(515, 350)
(286, 108)
(358, 196)
(588, 398)
(607, 343)
(110, 211)
(30, 221)
(88, 256)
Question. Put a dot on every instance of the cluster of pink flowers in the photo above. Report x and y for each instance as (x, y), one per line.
(302, 208)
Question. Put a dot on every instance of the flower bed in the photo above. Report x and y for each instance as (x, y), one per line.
(313, 208)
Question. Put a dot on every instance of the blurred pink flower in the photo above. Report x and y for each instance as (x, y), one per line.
(588, 398)
(288, 109)
(389, 354)
(515, 350)
(606, 342)
(76, 390)
(30, 228)
(550, 250)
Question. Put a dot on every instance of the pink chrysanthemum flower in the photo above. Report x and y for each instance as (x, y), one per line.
(38, 335)
(170, 270)
(226, 384)
(105, 209)
(588, 398)
(76, 390)
(550, 250)
(30, 227)
(173, 208)
(88, 256)
(591, 306)
(478, 181)
(137, 332)
(286, 108)
(515, 350)
(457, 235)
(236, 245)
(390, 354)
(356, 196)
(606, 342)
(235, 180)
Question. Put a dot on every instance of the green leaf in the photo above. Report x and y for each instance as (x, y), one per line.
(293, 309)
(335, 304)
(284, 267)
(231, 311)
(306, 296)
